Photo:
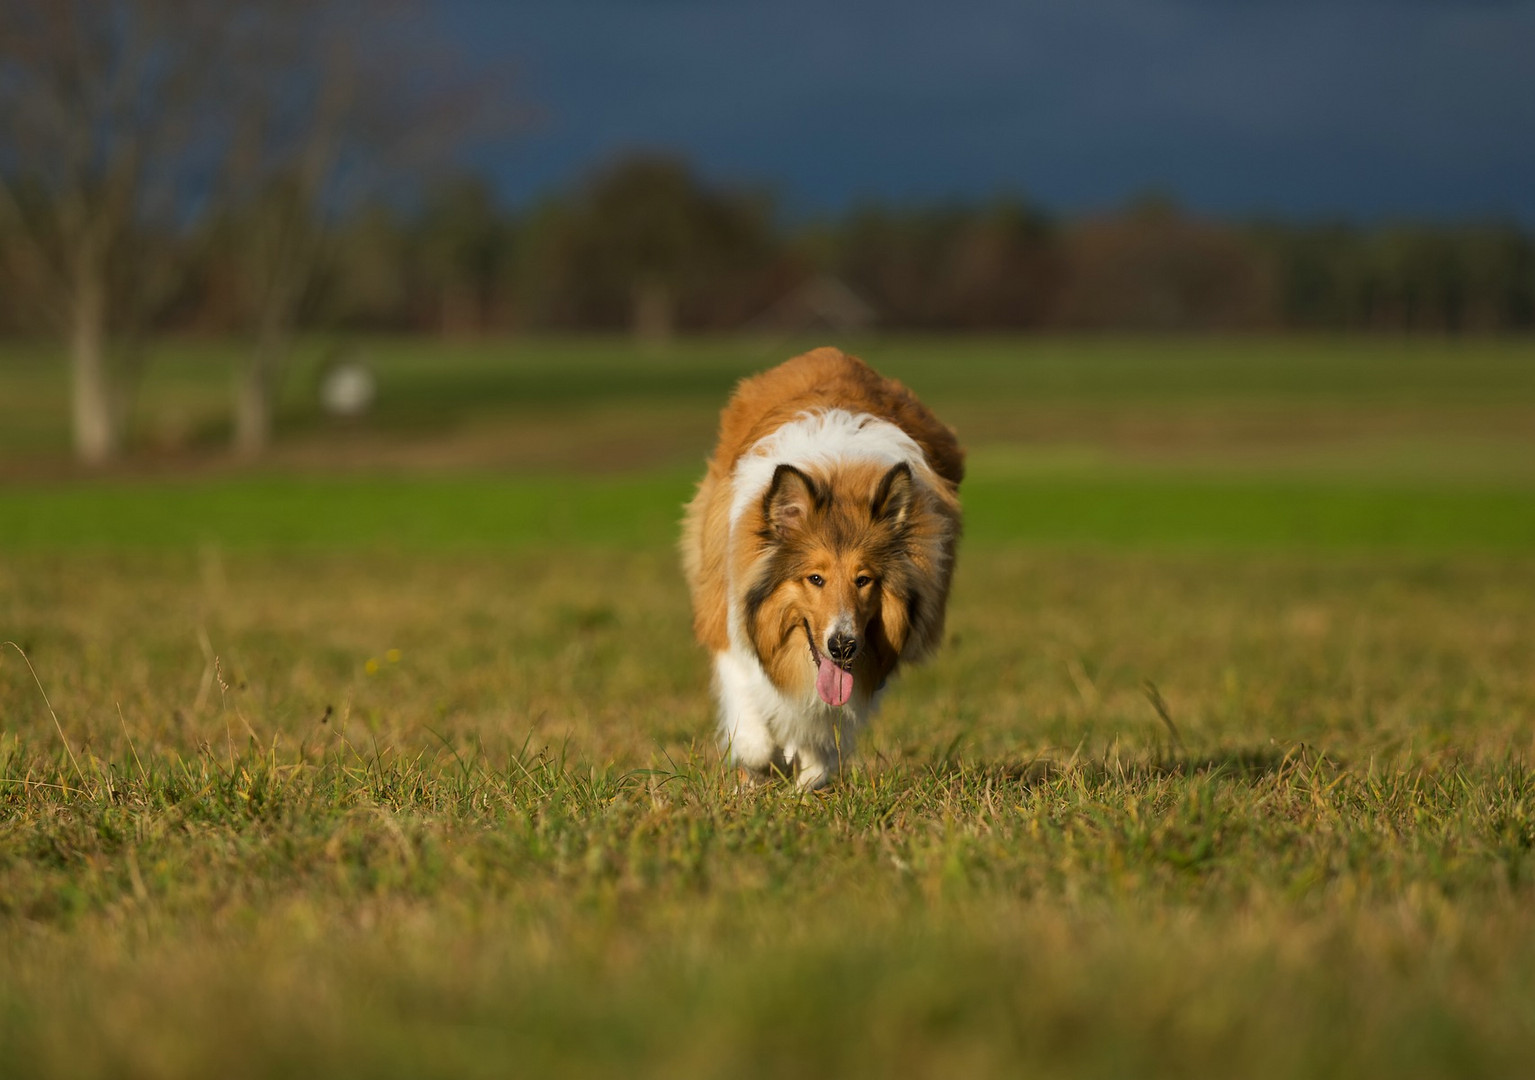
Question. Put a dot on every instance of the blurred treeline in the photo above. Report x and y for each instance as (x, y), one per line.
(647, 245)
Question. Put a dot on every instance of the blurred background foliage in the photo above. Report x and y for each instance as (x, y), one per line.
(257, 171)
(452, 259)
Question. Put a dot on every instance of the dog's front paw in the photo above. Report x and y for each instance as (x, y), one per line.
(778, 767)
(811, 772)
(751, 779)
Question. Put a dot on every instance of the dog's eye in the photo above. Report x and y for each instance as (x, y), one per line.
(816, 579)
(862, 580)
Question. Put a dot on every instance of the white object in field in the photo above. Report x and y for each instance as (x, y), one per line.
(347, 389)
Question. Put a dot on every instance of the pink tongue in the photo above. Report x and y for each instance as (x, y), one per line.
(833, 684)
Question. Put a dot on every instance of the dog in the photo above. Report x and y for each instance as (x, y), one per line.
(819, 551)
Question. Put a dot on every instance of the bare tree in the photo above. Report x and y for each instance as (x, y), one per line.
(334, 102)
(99, 122)
(127, 124)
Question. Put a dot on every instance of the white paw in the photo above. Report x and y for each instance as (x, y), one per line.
(811, 772)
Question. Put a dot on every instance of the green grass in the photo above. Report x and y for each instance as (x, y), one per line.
(416, 513)
(378, 916)
(394, 758)
(1001, 389)
(506, 844)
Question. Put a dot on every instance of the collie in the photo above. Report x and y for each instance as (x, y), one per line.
(818, 551)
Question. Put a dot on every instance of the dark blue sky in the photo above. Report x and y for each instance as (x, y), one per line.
(1304, 109)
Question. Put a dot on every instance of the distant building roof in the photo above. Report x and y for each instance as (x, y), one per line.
(823, 302)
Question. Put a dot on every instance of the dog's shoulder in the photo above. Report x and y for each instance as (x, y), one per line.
(828, 378)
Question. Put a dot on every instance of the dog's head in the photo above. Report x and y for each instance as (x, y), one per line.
(844, 578)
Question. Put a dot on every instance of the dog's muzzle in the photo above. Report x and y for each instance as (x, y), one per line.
(842, 648)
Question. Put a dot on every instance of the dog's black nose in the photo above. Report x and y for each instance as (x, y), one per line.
(842, 648)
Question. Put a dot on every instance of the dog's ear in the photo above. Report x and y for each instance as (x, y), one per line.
(789, 500)
(894, 497)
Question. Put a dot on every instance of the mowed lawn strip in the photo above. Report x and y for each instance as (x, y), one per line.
(425, 513)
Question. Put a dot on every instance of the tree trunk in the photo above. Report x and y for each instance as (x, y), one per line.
(97, 427)
(460, 310)
(654, 313)
(255, 389)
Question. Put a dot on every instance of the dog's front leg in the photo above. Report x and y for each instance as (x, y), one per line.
(744, 733)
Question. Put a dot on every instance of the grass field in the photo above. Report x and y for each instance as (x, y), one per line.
(391, 757)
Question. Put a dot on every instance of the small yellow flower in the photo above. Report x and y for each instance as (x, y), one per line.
(371, 667)
(393, 656)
